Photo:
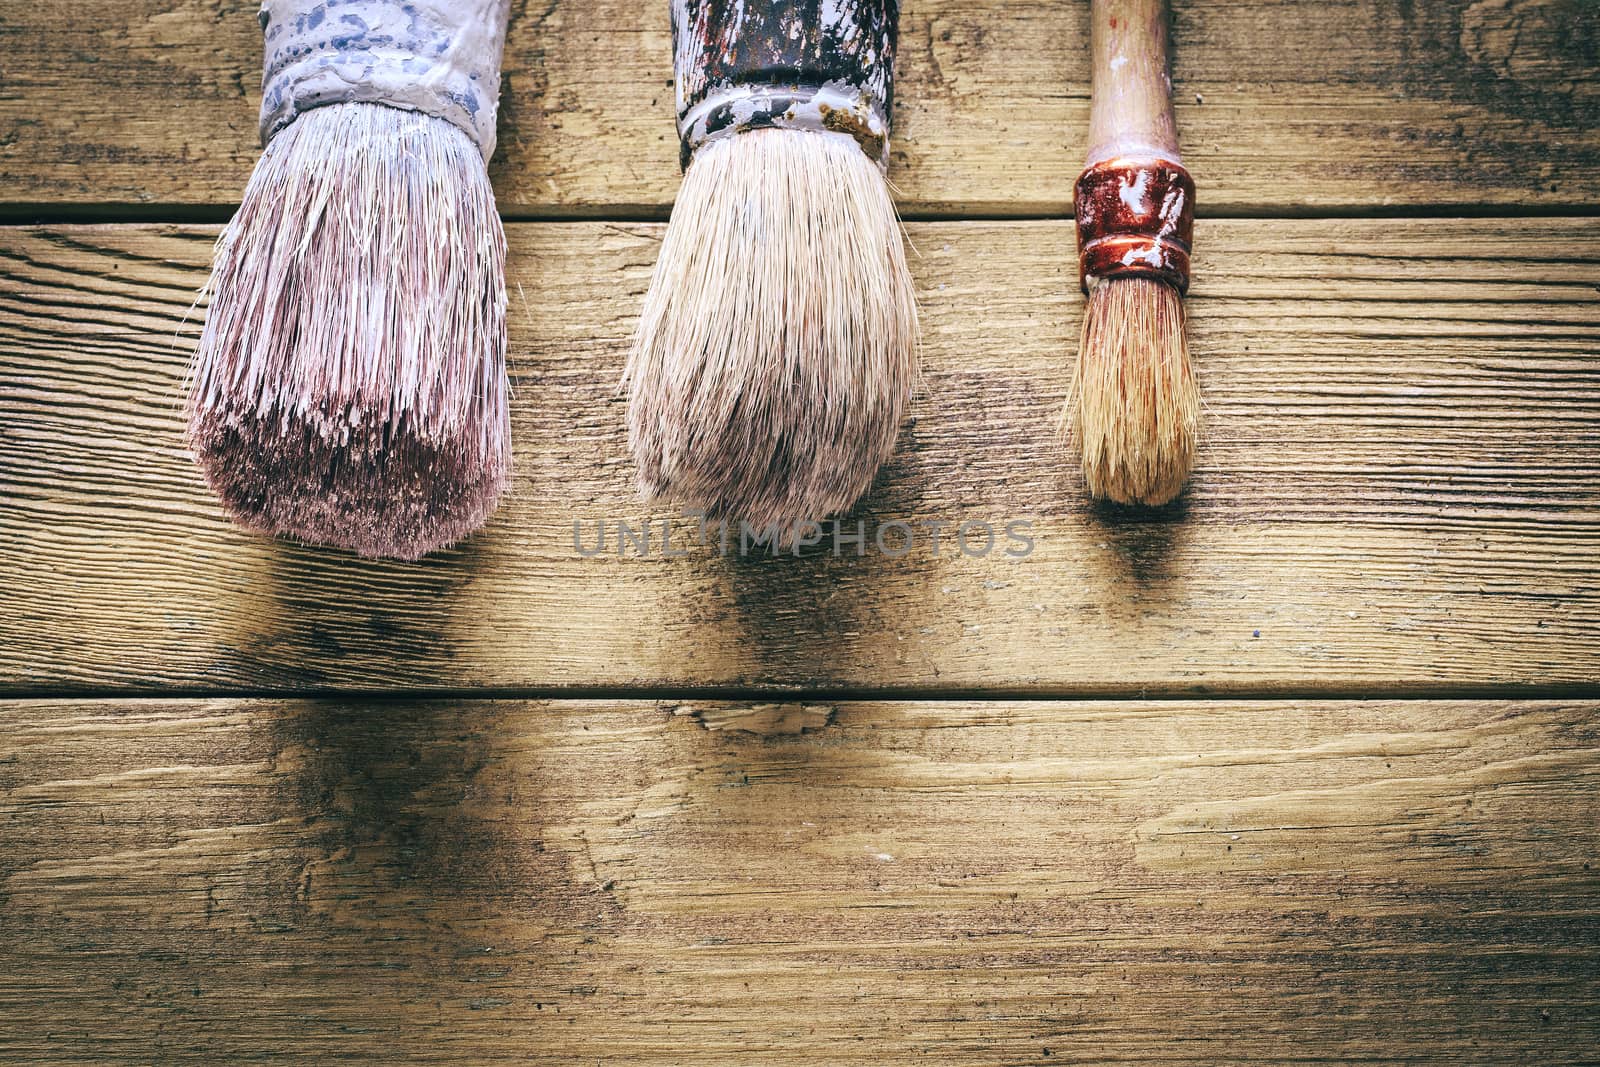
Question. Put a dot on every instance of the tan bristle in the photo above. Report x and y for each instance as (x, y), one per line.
(777, 346)
(1134, 406)
(350, 384)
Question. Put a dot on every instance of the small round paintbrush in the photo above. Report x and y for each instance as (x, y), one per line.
(1134, 405)
(350, 383)
(776, 348)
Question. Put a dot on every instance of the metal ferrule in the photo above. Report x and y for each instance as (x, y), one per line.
(822, 66)
(1135, 219)
(439, 57)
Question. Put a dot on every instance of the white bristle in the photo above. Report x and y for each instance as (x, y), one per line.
(777, 346)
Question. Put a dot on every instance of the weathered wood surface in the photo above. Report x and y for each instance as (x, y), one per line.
(947, 883)
(1399, 489)
(1282, 106)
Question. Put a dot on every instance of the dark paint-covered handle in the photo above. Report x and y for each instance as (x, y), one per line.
(820, 65)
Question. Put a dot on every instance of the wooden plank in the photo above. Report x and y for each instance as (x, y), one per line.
(941, 883)
(1284, 105)
(1399, 489)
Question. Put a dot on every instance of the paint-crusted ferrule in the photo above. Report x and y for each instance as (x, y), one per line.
(439, 57)
(1135, 218)
(824, 66)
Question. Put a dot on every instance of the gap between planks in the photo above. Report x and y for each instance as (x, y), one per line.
(30, 215)
(779, 694)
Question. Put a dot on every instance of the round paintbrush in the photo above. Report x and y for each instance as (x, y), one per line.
(1134, 404)
(350, 383)
(776, 348)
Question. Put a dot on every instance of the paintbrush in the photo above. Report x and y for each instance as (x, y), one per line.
(350, 385)
(1134, 405)
(776, 348)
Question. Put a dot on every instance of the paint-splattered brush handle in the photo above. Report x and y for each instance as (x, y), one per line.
(1134, 201)
(439, 57)
(820, 65)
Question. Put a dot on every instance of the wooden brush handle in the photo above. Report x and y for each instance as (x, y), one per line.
(1131, 114)
(821, 65)
(1134, 201)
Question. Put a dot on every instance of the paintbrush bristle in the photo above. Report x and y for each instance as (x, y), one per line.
(777, 345)
(350, 384)
(1135, 405)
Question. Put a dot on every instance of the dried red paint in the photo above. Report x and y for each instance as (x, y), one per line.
(1134, 219)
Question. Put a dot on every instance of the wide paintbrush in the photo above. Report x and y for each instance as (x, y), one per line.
(776, 348)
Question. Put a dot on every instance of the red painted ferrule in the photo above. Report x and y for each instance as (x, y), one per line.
(1134, 219)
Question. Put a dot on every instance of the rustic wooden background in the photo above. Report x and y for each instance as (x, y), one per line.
(1301, 769)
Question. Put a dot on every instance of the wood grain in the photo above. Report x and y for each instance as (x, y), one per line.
(1398, 494)
(1283, 106)
(1398, 490)
(940, 883)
